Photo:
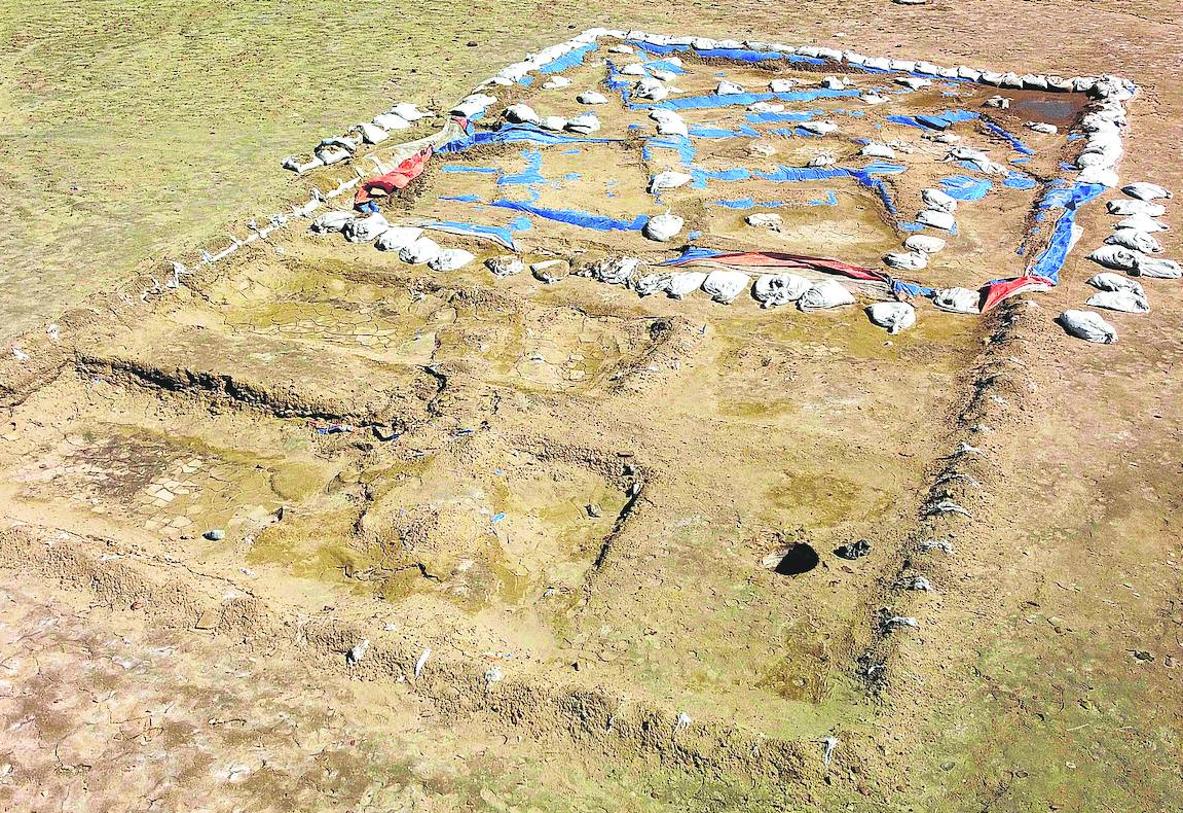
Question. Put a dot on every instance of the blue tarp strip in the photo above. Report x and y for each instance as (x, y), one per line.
(502, 235)
(568, 60)
(745, 99)
(1069, 198)
(963, 187)
(1008, 137)
(737, 54)
(517, 133)
(575, 218)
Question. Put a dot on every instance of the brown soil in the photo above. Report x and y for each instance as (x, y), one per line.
(555, 513)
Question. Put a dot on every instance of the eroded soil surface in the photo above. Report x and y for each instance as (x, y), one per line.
(494, 544)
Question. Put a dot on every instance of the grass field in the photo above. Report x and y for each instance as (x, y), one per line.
(133, 131)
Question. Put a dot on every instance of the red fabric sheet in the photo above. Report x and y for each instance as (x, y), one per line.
(778, 259)
(407, 171)
(998, 291)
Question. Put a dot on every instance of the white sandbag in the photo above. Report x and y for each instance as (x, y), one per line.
(726, 88)
(833, 83)
(663, 227)
(925, 243)
(1105, 176)
(1042, 127)
(345, 142)
(450, 259)
(620, 49)
(1157, 268)
(877, 150)
(819, 127)
(556, 82)
(421, 251)
(649, 284)
(506, 265)
(365, 229)
(1087, 325)
(957, 300)
(765, 220)
(397, 237)
(330, 155)
(1143, 223)
(649, 88)
(293, 163)
(391, 121)
(773, 290)
(1123, 301)
(1145, 191)
(725, 286)
(669, 123)
(372, 133)
(766, 107)
(584, 124)
(331, 222)
(471, 105)
(410, 112)
(976, 157)
(913, 82)
(1108, 281)
(635, 69)
(906, 260)
(821, 160)
(825, 294)
(553, 123)
(613, 270)
(1118, 257)
(668, 180)
(591, 97)
(936, 199)
(1001, 102)
(1135, 241)
(783, 85)
(684, 283)
(936, 219)
(894, 316)
(521, 114)
(550, 271)
(873, 99)
(1125, 208)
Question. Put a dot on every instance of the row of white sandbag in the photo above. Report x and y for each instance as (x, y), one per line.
(1104, 86)
(1125, 250)
(1133, 239)
(336, 149)
(409, 241)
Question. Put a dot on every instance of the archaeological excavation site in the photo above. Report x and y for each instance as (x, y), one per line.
(630, 420)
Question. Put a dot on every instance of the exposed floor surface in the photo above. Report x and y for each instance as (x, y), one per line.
(492, 544)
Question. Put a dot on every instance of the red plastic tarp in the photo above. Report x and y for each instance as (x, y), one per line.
(997, 291)
(398, 178)
(777, 259)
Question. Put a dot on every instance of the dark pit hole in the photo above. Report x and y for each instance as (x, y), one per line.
(801, 558)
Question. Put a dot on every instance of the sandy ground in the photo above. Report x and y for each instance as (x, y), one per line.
(638, 655)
